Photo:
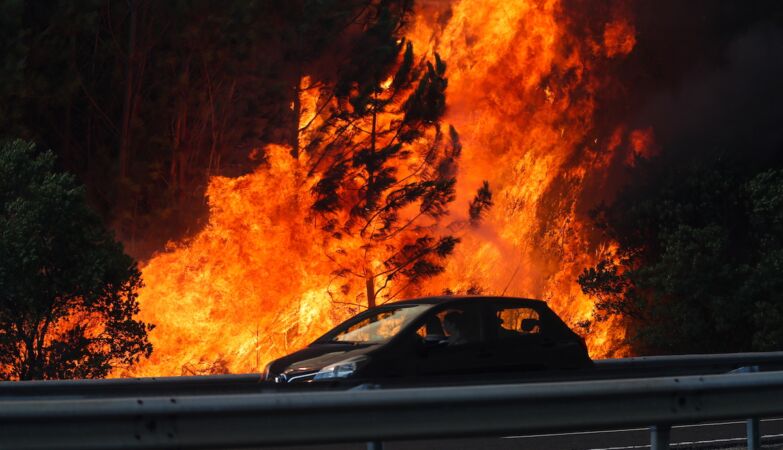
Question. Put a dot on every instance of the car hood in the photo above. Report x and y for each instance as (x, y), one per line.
(314, 358)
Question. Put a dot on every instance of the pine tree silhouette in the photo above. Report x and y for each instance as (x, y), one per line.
(387, 167)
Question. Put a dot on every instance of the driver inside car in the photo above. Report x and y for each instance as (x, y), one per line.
(455, 327)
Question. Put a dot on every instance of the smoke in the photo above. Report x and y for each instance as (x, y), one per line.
(714, 74)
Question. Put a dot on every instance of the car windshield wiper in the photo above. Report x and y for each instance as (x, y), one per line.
(350, 342)
(337, 342)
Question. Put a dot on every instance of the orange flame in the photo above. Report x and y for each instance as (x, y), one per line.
(256, 282)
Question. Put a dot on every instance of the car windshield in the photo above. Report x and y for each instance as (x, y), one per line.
(379, 327)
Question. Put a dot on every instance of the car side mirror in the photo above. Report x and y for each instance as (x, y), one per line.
(529, 325)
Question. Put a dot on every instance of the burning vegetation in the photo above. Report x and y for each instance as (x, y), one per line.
(278, 167)
(448, 153)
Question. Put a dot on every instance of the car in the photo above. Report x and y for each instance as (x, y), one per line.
(438, 336)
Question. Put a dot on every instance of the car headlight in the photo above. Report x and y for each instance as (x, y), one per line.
(341, 369)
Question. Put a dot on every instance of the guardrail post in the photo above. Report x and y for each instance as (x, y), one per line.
(375, 445)
(753, 430)
(660, 437)
(754, 434)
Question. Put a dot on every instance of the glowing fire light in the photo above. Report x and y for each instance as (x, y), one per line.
(256, 284)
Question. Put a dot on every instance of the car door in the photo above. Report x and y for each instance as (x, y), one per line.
(517, 338)
(451, 353)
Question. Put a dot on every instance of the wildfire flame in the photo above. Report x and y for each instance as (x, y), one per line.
(256, 283)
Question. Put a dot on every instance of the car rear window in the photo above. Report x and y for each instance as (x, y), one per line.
(514, 321)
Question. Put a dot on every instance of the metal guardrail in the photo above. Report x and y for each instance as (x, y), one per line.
(637, 367)
(231, 421)
(727, 361)
(118, 387)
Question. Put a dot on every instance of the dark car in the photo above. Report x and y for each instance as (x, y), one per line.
(438, 336)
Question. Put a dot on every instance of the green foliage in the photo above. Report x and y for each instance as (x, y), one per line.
(145, 100)
(480, 204)
(699, 262)
(69, 290)
(428, 103)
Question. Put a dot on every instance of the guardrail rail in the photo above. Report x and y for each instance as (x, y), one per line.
(233, 421)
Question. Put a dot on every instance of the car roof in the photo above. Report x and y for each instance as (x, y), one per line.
(445, 299)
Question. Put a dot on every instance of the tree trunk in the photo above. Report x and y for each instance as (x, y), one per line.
(127, 107)
(29, 369)
(370, 282)
(178, 156)
(297, 116)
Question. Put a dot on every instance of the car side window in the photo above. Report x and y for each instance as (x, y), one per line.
(455, 326)
(515, 321)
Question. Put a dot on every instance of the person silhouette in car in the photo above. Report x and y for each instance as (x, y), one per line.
(455, 327)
